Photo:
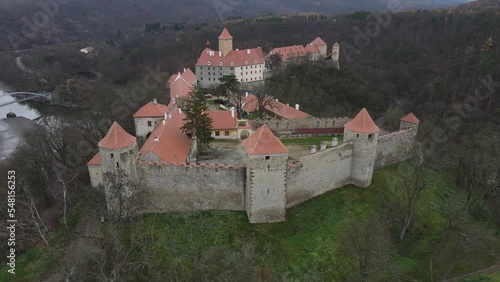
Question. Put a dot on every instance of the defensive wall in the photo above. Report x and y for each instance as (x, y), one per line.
(319, 173)
(294, 124)
(394, 147)
(191, 187)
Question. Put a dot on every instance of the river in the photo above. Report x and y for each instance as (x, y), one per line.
(20, 109)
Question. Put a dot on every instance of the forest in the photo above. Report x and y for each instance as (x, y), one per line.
(443, 65)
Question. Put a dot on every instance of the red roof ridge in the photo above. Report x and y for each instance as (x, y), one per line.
(411, 118)
(96, 160)
(318, 41)
(362, 123)
(225, 34)
(116, 138)
(263, 142)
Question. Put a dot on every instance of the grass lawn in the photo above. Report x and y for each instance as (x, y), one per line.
(316, 140)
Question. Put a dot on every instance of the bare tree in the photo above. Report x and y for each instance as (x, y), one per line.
(413, 181)
(264, 101)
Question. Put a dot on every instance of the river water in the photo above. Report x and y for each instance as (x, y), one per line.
(20, 109)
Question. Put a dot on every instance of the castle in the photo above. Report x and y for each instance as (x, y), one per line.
(249, 65)
(266, 183)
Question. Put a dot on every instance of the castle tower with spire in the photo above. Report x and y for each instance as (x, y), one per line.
(363, 132)
(335, 55)
(266, 177)
(118, 152)
(409, 121)
(225, 42)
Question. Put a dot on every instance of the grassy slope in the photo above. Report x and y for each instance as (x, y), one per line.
(304, 247)
(306, 244)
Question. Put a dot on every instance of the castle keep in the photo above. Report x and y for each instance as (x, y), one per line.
(165, 174)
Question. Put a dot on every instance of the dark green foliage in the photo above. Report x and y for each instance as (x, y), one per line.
(197, 122)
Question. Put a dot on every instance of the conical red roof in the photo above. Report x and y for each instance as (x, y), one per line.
(225, 34)
(362, 123)
(116, 138)
(411, 118)
(263, 142)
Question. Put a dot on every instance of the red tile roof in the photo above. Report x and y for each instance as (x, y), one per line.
(96, 160)
(116, 138)
(151, 110)
(411, 118)
(277, 108)
(318, 41)
(179, 88)
(187, 75)
(235, 58)
(362, 123)
(263, 142)
(223, 119)
(294, 51)
(173, 145)
(225, 34)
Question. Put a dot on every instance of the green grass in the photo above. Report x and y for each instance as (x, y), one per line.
(316, 140)
(253, 116)
(305, 246)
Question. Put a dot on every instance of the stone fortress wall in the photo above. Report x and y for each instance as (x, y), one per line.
(195, 187)
(293, 124)
(191, 187)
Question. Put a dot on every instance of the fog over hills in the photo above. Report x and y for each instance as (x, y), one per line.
(71, 20)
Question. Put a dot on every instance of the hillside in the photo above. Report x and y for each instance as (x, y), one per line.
(95, 19)
(324, 239)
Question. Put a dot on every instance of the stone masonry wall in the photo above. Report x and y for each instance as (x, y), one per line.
(293, 124)
(319, 173)
(192, 187)
(394, 147)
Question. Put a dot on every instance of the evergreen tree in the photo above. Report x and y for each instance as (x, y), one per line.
(229, 88)
(196, 120)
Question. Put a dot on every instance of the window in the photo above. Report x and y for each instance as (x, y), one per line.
(267, 158)
(357, 135)
(112, 155)
(268, 169)
(370, 137)
(149, 123)
(209, 78)
(226, 133)
(117, 164)
(232, 68)
(217, 133)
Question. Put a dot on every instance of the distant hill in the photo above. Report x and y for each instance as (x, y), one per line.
(91, 19)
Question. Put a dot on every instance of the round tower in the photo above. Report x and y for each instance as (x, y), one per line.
(118, 151)
(225, 42)
(409, 121)
(363, 132)
(335, 55)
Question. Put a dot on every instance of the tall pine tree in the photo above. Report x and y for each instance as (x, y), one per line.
(197, 121)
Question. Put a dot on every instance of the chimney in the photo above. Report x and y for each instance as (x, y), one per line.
(184, 70)
(155, 101)
(246, 94)
(202, 112)
(248, 51)
(179, 74)
(165, 116)
(180, 111)
(164, 122)
(297, 107)
(157, 140)
(220, 53)
(169, 115)
(232, 112)
(277, 100)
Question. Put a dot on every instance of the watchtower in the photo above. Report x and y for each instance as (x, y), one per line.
(363, 132)
(119, 152)
(335, 55)
(409, 121)
(225, 42)
(266, 159)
